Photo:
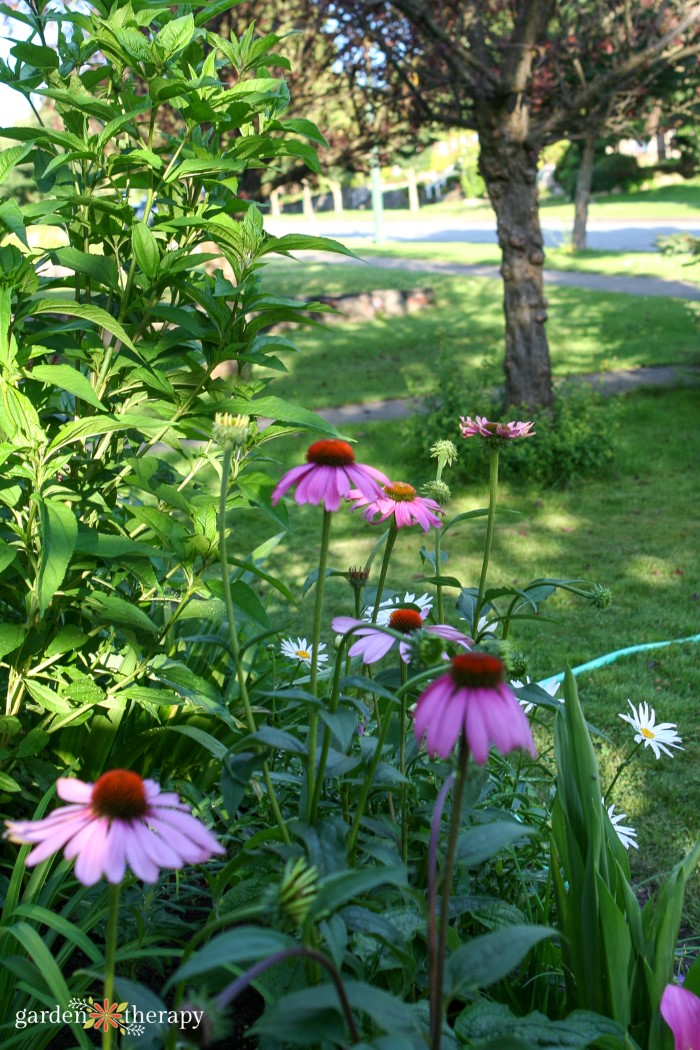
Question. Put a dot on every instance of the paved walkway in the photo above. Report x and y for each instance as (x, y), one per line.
(597, 282)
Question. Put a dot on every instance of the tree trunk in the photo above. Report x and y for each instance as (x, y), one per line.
(413, 201)
(508, 164)
(275, 208)
(584, 181)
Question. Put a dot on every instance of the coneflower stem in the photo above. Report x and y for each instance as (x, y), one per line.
(388, 548)
(318, 615)
(233, 637)
(402, 763)
(455, 826)
(110, 958)
(493, 491)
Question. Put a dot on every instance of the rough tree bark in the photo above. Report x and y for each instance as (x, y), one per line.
(508, 165)
(584, 182)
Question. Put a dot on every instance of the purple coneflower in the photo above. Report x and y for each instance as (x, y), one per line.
(328, 475)
(680, 1010)
(473, 701)
(372, 644)
(119, 820)
(481, 427)
(401, 500)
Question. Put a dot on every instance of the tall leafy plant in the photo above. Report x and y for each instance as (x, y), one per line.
(122, 289)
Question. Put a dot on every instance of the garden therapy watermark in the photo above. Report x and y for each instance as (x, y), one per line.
(103, 1015)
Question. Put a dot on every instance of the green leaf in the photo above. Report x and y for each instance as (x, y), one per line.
(36, 55)
(278, 409)
(12, 219)
(336, 890)
(244, 944)
(98, 267)
(302, 242)
(484, 960)
(117, 611)
(94, 314)
(8, 783)
(491, 1019)
(175, 35)
(59, 530)
(9, 158)
(145, 249)
(47, 698)
(69, 379)
(484, 840)
(11, 637)
(212, 745)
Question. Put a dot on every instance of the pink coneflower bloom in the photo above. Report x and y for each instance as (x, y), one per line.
(472, 700)
(328, 475)
(403, 502)
(119, 820)
(481, 427)
(680, 1010)
(372, 644)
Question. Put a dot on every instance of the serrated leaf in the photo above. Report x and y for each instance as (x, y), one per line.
(118, 611)
(145, 249)
(69, 379)
(484, 840)
(94, 314)
(59, 530)
(175, 35)
(484, 960)
(9, 158)
(11, 637)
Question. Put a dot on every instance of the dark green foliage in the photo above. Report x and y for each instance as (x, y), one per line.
(575, 439)
(611, 171)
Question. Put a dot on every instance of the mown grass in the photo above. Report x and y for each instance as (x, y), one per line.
(395, 357)
(625, 264)
(635, 529)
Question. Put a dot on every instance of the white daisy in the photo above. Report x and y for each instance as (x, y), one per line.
(302, 652)
(424, 604)
(549, 687)
(627, 836)
(658, 738)
(484, 626)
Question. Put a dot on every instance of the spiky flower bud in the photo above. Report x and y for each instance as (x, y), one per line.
(438, 491)
(231, 431)
(200, 1022)
(514, 659)
(600, 596)
(445, 452)
(297, 891)
(428, 648)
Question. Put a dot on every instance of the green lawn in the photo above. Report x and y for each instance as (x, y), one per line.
(635, 529)
(395, 357)
(627, 264)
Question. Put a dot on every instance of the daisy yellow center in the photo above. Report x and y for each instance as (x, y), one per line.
(401, 492)
(119, 793)
(647, 733)
(476, 670)
(302, 654)
(330, 453)
(405, 620)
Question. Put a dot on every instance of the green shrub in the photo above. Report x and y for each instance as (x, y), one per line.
(573, 440)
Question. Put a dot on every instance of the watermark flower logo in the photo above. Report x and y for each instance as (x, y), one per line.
(106, 1015)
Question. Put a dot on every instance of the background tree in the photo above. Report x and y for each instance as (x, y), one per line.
(522, 73)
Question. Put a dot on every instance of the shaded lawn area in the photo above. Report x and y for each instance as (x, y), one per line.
(635, 529)
(395, 357)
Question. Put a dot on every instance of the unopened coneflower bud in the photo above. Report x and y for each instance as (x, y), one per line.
(357, 577)
(600, 596)
(514, 659)
(438, 491)
(445, 452)
(231, 431)
(428, 647)
(297, 891)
